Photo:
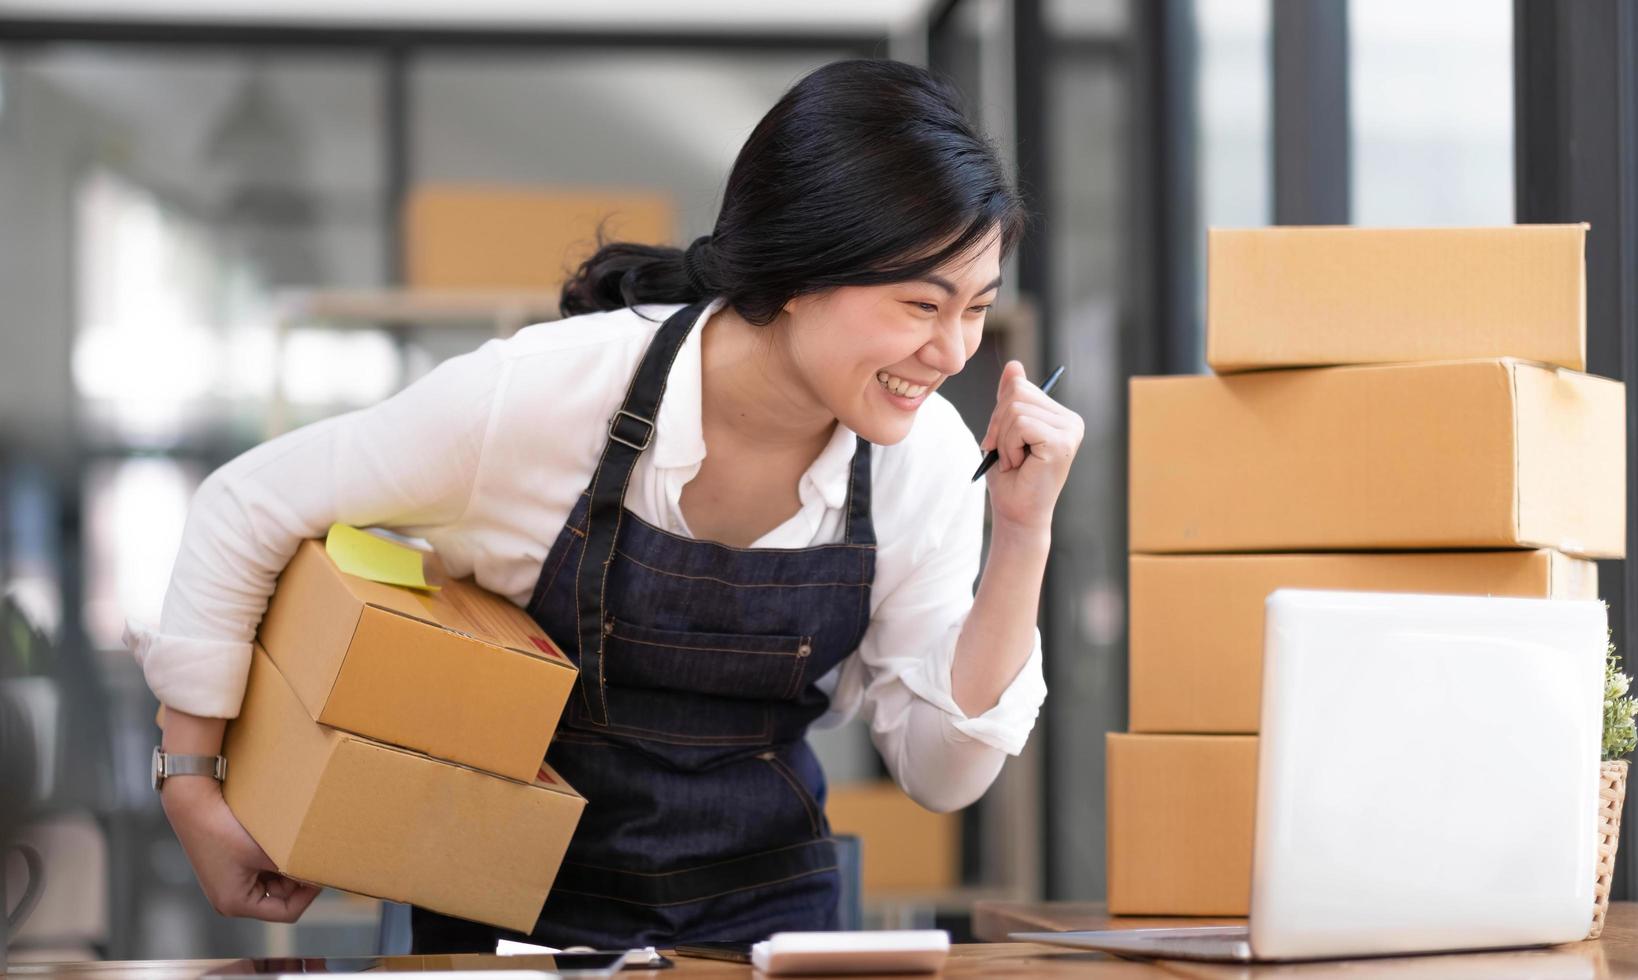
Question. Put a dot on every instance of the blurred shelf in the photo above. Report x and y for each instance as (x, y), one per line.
(507, 310)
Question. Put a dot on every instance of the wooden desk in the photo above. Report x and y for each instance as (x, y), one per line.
(1016, 960)
(1615, 954)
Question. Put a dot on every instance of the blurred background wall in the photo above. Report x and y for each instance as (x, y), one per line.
(214, 224)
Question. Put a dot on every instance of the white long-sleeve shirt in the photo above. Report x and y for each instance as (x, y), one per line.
(485, 456)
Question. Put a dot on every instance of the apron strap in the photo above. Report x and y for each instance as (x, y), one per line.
(630, 432)
(859, 529)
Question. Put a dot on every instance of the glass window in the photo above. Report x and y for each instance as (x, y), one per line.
(1085, 625)
(1234, 102)
(1432, 112)
(190, 188)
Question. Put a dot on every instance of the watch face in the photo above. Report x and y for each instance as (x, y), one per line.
(157, 775)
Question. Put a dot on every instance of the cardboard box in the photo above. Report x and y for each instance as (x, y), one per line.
(459, 674)
(492, 236)
(1196, 634)
(347, 812)
(1444, 456)
(1181, 819)
(1303, 297)
(902, 847)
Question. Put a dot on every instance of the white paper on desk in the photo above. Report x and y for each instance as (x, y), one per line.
(883, 951)
(508, 947)
(443, 975)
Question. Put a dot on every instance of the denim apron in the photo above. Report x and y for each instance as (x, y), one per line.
(705, 814)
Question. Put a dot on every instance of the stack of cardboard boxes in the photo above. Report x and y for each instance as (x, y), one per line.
(1391, 410)
(392, 742)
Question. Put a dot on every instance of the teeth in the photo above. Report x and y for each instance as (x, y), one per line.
(899, 386)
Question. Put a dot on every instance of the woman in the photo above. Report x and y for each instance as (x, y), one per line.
(726, 485)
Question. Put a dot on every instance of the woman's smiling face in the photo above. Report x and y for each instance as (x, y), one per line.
(872, 354)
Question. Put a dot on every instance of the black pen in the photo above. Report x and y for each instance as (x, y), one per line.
(995, 454)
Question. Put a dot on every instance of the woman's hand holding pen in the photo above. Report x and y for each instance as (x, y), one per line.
(1037, 439)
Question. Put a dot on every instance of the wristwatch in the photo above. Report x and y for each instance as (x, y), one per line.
(169, 764)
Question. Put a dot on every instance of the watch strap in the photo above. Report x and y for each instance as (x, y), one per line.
(168, 764)
(214, 766)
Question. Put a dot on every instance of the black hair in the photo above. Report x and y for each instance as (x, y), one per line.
(864, 172)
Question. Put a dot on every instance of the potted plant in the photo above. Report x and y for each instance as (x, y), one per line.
(1620, 735)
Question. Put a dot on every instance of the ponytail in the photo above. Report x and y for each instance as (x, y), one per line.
(624, 274)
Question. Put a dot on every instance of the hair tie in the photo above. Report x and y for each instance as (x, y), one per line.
(691, 265)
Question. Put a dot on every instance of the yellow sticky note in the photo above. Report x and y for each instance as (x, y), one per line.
(375, 558)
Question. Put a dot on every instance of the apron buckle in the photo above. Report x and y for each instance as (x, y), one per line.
(614, 431)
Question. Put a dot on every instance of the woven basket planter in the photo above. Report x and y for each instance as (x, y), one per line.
(1612, 792)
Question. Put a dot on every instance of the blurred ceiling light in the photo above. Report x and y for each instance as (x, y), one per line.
(253, 134)
(257, 152)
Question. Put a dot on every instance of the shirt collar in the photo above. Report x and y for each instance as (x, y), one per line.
(679, 440)
(830, 473)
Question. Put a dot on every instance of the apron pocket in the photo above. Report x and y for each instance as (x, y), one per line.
(759, 667)
(697, 688)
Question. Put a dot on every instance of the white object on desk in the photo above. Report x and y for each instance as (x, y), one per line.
(442, 975)
(820, 953)
(511, 947)
(641, 958)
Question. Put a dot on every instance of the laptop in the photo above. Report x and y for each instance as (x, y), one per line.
(1427, 781)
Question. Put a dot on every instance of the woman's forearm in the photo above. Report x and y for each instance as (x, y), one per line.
(999, 633)
(187, 734)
